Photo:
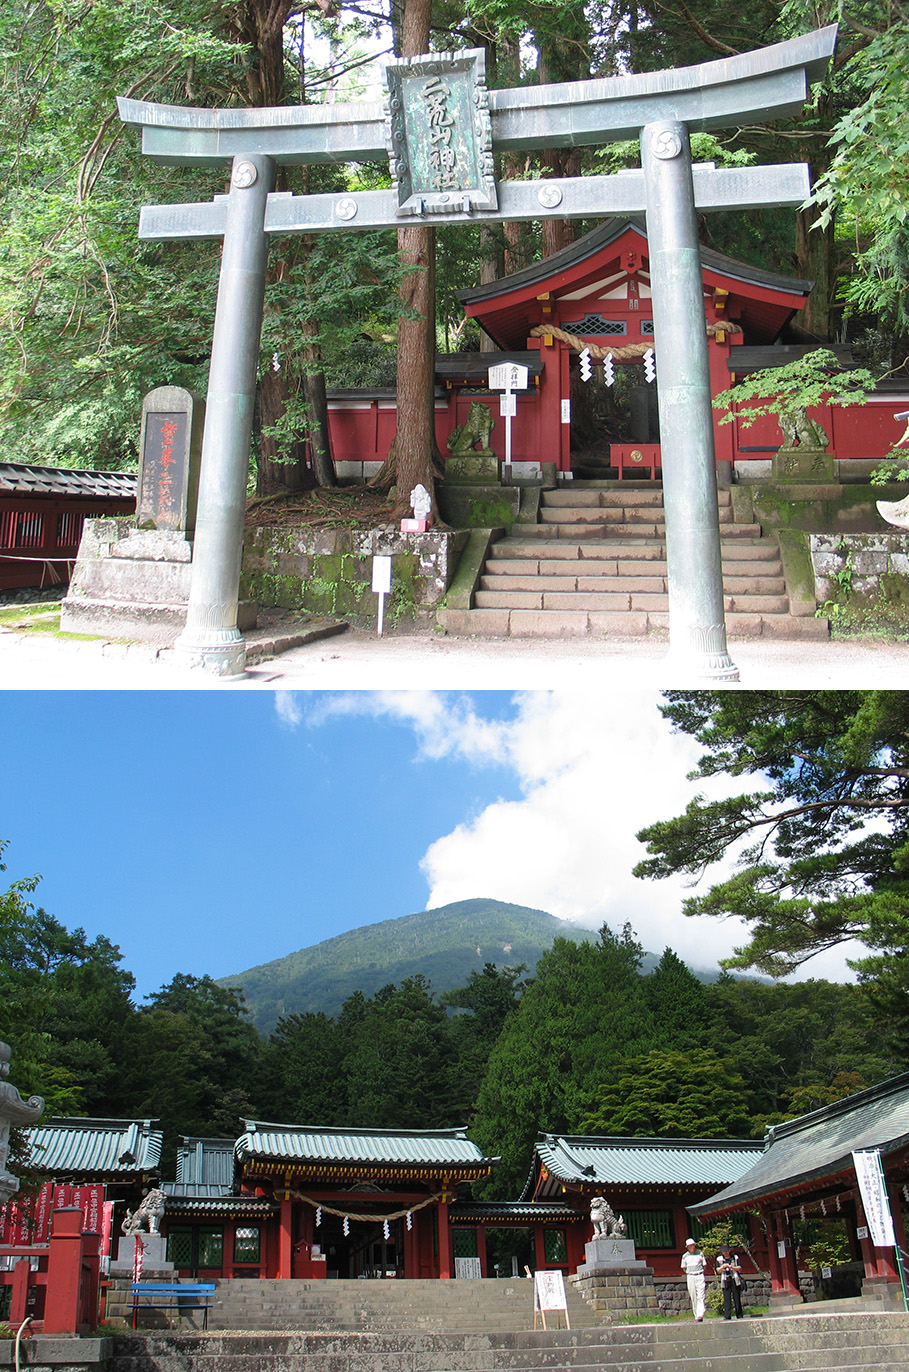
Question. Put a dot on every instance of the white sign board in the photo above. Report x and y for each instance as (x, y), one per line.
(549, 1291)
(468, 1267)
(381, 574)
(875, 1201)
(508, 405)
(566, 411)
(508, 376)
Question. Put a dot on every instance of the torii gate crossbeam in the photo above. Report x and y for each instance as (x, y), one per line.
(659, 107)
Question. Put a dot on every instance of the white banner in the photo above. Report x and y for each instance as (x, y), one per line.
(875, 1201)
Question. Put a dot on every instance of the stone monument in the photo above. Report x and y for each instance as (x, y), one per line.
(14, 1113)
(132, 576)
(140, 1227)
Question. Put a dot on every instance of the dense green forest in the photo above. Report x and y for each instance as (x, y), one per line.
(93, 318)
(589, 1044)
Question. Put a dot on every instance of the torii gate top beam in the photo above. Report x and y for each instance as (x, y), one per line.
(771, 82)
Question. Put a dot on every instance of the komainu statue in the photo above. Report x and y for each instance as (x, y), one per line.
(801, 432)
(605, 1224)
(462, 441)
(147, 1214)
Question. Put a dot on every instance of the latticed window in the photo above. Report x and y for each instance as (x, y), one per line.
(464, 1243)
(211, 1248)
(246, 1244)
(650, 1228)
(180, 1245)
(555, 1246)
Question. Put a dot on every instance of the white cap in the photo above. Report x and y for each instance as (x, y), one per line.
(687, 1241)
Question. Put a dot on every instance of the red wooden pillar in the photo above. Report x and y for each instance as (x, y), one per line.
(19, 1300)
(64, 1272)
(785, 1279)
(548, 402)
(539, 1247)
(481, 1249)
(446, 1263)
(285, 1235)
(91, 1279)
(564, 355)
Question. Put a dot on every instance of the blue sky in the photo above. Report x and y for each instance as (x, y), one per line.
(207, 832)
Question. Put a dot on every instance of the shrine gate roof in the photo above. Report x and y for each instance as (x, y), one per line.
(508, 308)
(18, 478)
(818, 1146)
(403, 1148)
(95, 1148)
(591, 1161)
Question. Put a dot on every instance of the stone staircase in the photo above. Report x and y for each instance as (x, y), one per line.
(802, 1343)
(390, 1306)
(595, 563)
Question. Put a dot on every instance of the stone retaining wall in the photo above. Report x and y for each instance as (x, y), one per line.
(672, 1292)
(329, 571)
(864, 567)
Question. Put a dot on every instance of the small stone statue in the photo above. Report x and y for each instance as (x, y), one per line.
(15, 1113)
(605, 1224)
(147, 1214)
(463, 440)
(420, 502)
(801, 432)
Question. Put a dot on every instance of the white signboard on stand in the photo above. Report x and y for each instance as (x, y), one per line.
(508, 377)
(549, 1297)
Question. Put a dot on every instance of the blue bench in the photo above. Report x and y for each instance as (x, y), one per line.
(181, 1296)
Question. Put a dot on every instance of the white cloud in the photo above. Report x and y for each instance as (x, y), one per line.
(288, 709)
(593, 771)
(444, 725)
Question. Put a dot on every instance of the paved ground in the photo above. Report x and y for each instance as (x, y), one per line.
(360, 661)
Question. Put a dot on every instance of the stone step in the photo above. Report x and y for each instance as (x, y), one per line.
(618, 582)
(623, 599)
(521, 623)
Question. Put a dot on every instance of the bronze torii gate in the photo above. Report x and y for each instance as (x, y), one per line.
(440, 128)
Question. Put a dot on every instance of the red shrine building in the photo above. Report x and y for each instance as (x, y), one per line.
(596, 294)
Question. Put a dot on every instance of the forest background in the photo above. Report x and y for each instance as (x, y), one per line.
(93, 319)
(588, 1045)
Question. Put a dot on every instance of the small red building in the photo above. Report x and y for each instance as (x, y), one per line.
(42, 511)
(596, 292)
(806, 1174)
(651, 1183)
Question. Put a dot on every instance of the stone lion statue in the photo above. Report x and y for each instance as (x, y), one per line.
(801, 432)
(605, 1224)
(147, 1214)
(463, 440)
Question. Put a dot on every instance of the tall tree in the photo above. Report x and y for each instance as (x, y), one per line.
(827, 830)
(672, 1094)
(583, 1012)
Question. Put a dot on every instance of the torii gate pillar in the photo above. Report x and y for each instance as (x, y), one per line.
(697, 627)
(211, 638)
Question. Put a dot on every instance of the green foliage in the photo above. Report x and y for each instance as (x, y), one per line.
(815, 379)
(865, 182)
(826, 833)
(671, 1095)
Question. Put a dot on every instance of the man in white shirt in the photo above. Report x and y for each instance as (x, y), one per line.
(694, 1265)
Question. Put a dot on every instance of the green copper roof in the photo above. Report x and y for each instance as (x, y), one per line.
(591, 1160)
(513, 1212)
(396, 1147)
(820, 1144)
(94, 1147)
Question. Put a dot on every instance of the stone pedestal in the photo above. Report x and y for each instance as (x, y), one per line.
(612, 1280)
(608, 1255)
(132, 583)
(804, 464)
(154, 1258)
